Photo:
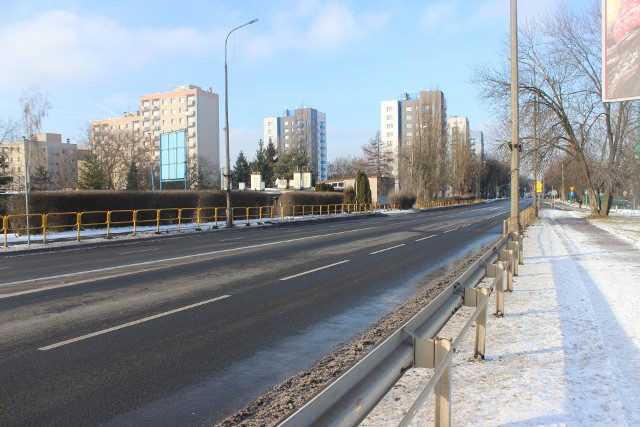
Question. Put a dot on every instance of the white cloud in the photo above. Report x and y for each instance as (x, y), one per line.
(62, 47)
(316, 26)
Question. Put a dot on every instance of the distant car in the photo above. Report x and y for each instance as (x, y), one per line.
(621, 203)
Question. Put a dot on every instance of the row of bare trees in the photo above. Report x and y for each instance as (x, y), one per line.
(124, 159)
(563, 117)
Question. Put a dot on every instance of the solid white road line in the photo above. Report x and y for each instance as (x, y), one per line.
(135, 252)
(314, 270)
(425, 238)
(126, 325)
(387, 249)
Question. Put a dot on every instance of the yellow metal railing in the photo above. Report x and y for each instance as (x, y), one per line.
(42, 225)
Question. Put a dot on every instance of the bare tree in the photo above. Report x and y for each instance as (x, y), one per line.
(343, 167)
(461, 161)
(560, 71)
(377, 161)
(35, 108)
(423, 163)
(116, 150)
(203, 174)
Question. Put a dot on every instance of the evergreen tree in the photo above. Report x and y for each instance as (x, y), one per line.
(4, 178)
(40, 179)
(290, 162)
(241, 170)
(92, 177)
(133, 177)
(265, 161)
(363, 189)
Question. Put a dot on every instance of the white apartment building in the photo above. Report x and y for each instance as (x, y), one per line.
(186, 107)
(45, 152)
(303, 128)
(458, 129)
(404, 121)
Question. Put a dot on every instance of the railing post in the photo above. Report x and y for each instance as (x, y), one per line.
(79, 224)
(215, 217)
(108, 224)
(157, 221)
(135, 221)
(5, 226)
(179, 218)
(198, 213)
(247, 212)
(44, 228)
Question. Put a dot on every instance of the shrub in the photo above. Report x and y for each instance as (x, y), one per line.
(307, 198)
(402, 200)
(324, 187)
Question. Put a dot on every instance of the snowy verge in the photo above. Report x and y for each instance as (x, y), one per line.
(565, 353)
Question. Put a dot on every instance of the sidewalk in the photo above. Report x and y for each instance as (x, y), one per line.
(567, 351)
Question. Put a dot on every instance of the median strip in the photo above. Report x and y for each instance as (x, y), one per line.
(314, 270)
(387, 249)
(126, 325)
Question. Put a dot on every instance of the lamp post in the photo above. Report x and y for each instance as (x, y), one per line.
(27, 155)
(229, 222)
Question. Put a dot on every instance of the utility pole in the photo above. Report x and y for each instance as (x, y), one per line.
(514, 225)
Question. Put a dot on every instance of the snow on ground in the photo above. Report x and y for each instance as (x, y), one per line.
(567, 351)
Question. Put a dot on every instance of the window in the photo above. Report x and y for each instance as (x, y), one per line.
(409, 133)
(389, 134)
(389, 125)
(409, 125)
(389, 108)
(286, 137)
(390, 117)
(408, 117)
(409, 109)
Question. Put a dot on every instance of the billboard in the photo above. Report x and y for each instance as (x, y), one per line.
(173, 156)
(620, 50)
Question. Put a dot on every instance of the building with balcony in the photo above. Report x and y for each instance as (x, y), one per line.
(186, 108)
(304, 129)
(412, 120)
(52, 164)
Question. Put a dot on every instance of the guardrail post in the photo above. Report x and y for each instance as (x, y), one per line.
(507, 256)
(497, 271)
(215, 217)
(157, 221)
(474, 297)
(135, 220)
(198, 212)
(247, 213)
(442, 390)
(179, 219)
(429, 353)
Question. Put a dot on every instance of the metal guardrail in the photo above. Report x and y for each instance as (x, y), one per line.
(42, 225)
(348, 400)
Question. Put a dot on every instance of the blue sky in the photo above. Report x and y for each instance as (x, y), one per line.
(94, 59)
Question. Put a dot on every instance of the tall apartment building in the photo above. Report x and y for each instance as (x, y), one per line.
(303, 128)
(44, 152)
(476, 138)
(458, 129)
(405, 121)
(186, 107)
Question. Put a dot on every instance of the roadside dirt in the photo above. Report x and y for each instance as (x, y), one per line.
(287, 397)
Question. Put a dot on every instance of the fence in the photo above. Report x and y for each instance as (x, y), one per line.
(43, 225)
(348, 400)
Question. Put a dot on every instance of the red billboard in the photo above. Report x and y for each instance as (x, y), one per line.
(620, 50)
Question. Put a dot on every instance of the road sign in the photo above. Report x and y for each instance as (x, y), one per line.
(586, 192)
(539, 187)
(571, 193)
(572, 188)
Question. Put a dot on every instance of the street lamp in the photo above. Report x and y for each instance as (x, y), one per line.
(27, 156)
(227, 175)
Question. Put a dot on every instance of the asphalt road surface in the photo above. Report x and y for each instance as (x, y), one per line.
(186, 331)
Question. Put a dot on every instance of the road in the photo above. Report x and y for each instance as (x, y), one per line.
(186, 331)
